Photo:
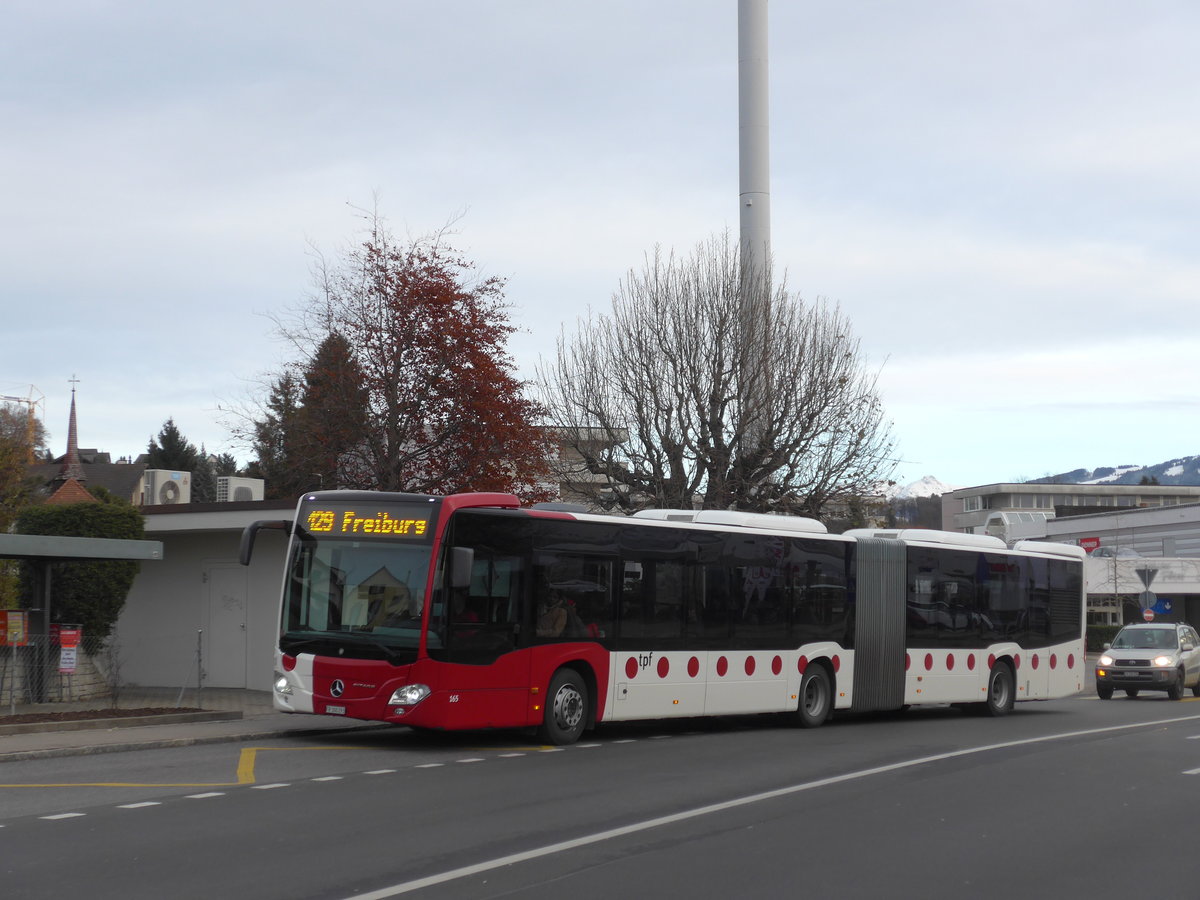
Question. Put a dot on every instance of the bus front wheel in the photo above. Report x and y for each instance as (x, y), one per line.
(816, 697)
(565, 715)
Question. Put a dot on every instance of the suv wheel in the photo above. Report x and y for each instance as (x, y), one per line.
(1175, 691)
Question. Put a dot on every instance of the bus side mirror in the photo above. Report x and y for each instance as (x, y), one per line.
(246, 550)
(462, 561)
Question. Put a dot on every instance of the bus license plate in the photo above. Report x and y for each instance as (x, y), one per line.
(335, 710)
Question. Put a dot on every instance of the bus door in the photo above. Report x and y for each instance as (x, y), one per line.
(479, 627)
(656, 674)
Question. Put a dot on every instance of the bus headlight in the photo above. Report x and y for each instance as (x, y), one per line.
(281, 684)
(409, 695)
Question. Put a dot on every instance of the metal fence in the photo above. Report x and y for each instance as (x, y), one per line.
(42, 671)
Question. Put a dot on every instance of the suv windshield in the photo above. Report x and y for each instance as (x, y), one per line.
(1146, 639)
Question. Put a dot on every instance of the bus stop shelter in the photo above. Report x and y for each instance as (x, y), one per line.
(42, 550)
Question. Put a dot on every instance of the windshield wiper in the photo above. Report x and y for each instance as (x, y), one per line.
(391, 654)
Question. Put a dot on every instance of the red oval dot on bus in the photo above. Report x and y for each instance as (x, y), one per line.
(1034, 661)
(664, 666)
(288, 662)
(907, 662)
(971, 662)
(630, 667)
(928, 661)
(722, 666)
(693, 667)
(802, 664)
(991, 660)
(749, 665)
(1053, 661)
(1070, 660)
(837, 663)
(776, 665)
(949, 662)
(1016, 660)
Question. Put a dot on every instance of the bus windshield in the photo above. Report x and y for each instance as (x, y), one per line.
(356, 580)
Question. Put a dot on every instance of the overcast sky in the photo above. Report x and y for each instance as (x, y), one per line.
(1002, 196)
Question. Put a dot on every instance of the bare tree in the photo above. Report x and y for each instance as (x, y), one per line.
(677, 398)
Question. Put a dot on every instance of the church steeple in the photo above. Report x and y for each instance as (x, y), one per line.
(72, 467)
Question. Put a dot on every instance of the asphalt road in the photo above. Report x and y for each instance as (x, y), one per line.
(1071, 798)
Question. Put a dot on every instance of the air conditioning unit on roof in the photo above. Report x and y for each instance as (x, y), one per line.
(162, 487)
(234, 489)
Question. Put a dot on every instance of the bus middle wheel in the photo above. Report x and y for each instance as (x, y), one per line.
(816, 696)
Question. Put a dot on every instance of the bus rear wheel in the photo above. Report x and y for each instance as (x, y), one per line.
(816, 697)
(1000, 694)
(565, 715)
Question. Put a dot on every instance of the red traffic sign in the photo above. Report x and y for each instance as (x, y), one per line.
(1148, 615)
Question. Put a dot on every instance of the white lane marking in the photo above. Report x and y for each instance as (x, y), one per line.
(268, 787)
(380, 772)
(138, 805)
(587, 746)
(63, 816)
(510, 755)
(550, 849)
(329, 778)
(429, 766)
(470, 759)
(1191, 772)
(551, 750)
(205, 796)
(626, 741)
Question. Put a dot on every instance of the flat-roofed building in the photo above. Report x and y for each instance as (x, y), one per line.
(968, 509)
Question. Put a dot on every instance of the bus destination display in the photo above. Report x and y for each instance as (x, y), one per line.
(359, 521)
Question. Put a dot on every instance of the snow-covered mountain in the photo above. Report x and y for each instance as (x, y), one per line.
(926, 487)
(1185, 470)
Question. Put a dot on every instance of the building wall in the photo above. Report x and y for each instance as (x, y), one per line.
(967, 509)
(200, 591)
(1162, 531)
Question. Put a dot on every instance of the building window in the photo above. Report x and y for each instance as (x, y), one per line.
(972, 504)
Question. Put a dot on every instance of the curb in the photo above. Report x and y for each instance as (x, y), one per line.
(118, 722)
(168, 743)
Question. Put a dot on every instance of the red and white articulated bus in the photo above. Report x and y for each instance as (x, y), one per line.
(470, 612)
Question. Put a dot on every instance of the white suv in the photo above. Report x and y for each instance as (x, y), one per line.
(1162, 657)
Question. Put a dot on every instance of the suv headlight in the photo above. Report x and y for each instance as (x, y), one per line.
(409, 695)
(1163, 661)
(1105, 660)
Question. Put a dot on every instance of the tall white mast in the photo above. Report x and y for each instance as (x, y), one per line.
(754, 172)
(754, 158)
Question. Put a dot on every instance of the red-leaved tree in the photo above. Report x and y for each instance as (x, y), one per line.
(409, 384)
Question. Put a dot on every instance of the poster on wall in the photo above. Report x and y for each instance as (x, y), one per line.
(68, 640)
(14, 628)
